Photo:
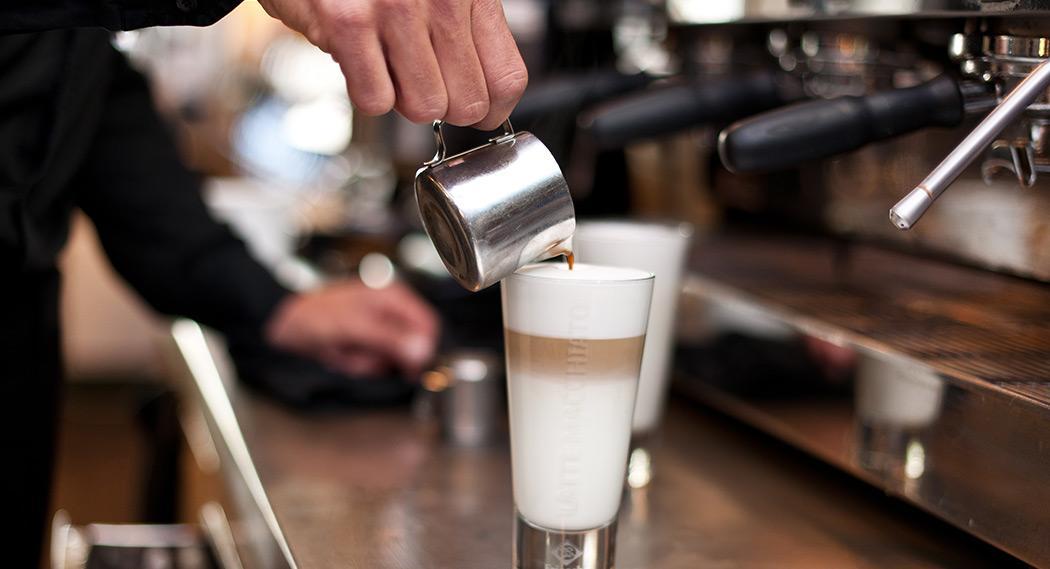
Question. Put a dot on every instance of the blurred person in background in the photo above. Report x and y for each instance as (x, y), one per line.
(78, 130)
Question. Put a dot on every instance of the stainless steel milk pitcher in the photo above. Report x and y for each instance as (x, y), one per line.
(495, 208)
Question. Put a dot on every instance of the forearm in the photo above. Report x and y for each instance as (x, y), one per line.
(198, 269)
(154, 225)
(38, 15)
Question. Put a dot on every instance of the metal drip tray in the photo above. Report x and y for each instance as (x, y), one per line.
(927, 379)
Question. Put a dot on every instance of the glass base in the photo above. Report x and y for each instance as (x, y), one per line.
(539, 548)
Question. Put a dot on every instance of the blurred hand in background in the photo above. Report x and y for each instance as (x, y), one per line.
(453, 60)
(358, 330)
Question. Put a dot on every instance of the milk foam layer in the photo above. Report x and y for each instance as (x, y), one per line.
(660, 249)
(588, 302)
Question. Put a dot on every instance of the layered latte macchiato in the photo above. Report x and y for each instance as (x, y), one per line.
(574, 343)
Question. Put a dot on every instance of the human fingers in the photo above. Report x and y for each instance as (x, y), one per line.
(418, 323)
(418, 84)
(375, 332)
(355, 45)
(415, 314)
(450, 26)
(358, 363)
(505, 74)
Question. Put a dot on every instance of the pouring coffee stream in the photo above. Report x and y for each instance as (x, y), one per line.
(493, 209)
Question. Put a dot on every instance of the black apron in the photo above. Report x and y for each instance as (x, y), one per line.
(29, 403)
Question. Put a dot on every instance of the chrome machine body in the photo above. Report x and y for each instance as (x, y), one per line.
(916, 360)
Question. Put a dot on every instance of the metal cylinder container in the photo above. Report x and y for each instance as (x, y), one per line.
(495, 208)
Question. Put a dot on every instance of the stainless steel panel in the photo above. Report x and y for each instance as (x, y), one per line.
(995, 225)
(731, 11)
(946, 402)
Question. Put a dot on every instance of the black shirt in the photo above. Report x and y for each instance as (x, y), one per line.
(77, 129)
(37, 15)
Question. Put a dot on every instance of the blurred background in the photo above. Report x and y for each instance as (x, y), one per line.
(914, 361)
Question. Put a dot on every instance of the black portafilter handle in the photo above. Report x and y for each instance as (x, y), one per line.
(569, 94)
(672, 108)
(785, 137)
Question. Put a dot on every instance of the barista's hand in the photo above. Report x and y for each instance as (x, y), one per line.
(429, 59)
(356, 329)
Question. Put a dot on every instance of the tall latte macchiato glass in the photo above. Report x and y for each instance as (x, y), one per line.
(659, 248)
(574, 341)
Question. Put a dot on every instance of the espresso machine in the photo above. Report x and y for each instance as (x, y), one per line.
(913, 354)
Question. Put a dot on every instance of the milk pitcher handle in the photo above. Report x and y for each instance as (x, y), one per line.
(439, 140)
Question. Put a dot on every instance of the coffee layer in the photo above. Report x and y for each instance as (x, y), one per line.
(560, 357)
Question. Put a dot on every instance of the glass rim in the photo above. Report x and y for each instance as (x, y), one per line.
(643, 276)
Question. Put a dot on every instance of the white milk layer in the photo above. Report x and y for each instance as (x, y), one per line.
(570, 432)
(569, 440)
(659, 249)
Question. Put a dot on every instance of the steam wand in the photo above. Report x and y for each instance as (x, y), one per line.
(908, 211)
